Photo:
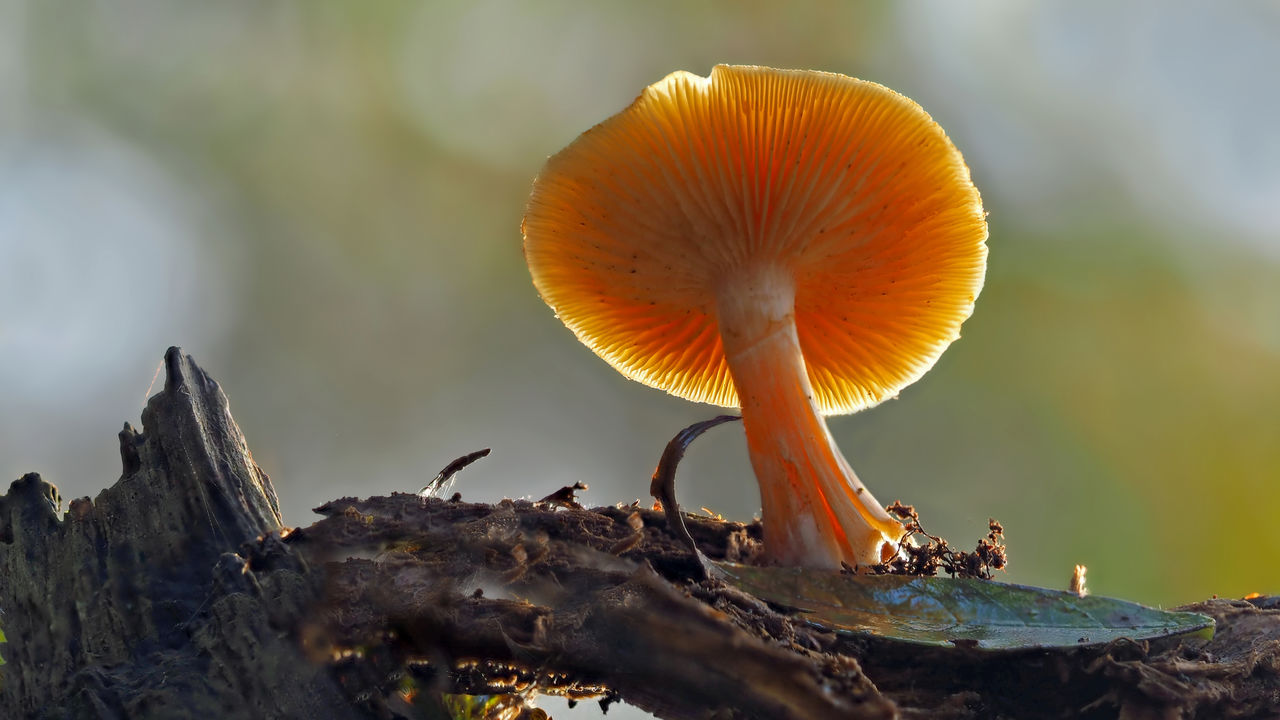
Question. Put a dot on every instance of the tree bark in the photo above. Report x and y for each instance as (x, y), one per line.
(176, 593)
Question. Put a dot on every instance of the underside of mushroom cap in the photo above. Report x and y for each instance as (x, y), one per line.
(851, 188)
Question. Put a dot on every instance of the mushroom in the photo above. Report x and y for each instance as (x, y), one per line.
(793, 243)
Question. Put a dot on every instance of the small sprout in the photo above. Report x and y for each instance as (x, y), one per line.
(1077, 582)
(663, 484)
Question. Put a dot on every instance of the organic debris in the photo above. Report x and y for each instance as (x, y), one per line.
(937, 554)
(443, 480)
(565, 497)
(1076, 586)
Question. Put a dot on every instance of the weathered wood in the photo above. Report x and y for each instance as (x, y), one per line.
(134, 605)
(173, 594)
(557, 599)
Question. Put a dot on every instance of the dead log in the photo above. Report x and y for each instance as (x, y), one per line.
(134, 604)
(175, 593)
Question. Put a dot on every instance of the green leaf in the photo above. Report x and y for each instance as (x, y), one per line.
(956, 612)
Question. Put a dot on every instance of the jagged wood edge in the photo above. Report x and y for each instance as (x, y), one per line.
(135, 604)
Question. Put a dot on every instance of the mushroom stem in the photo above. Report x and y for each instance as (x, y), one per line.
(816, 512)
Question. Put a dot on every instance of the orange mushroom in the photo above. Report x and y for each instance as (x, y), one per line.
(790, 242)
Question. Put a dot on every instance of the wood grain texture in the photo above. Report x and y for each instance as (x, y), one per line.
(134, 604)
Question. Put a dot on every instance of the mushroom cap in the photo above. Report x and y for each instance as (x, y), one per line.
(633, 229)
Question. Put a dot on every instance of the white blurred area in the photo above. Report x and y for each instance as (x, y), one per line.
(322, 204)
(1173, 100)
(103, 257)
(1172, 106)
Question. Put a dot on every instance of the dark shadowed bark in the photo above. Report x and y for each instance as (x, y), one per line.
(174, 594)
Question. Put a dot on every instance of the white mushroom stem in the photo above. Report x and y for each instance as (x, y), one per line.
(816, 512)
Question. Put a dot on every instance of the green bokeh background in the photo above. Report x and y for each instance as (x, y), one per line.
(321, 201)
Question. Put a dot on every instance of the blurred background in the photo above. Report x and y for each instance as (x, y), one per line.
(321, 202)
